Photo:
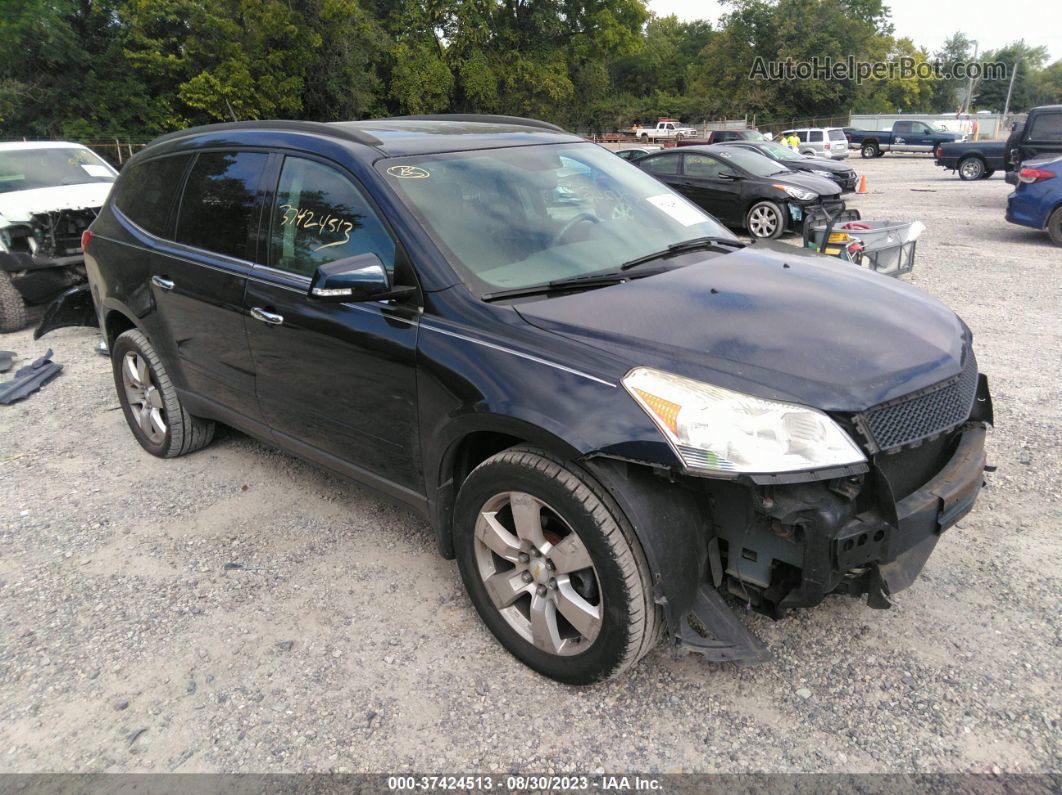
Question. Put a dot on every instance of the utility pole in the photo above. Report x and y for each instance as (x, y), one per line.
(1013, 74)
(968, 102)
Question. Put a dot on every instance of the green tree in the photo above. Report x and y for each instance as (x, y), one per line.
(992, 94)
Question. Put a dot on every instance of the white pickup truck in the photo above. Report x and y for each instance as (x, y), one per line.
(665, 129)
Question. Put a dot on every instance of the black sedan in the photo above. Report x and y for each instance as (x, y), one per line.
(829, 168)
(743, 189)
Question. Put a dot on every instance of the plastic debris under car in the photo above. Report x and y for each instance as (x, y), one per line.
(887, 247)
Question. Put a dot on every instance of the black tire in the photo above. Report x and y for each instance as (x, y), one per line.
(1054, 226)
(631, 622)
(880, 154)
(645, 138)
(972, 168)
(679, 136)
(756, 227)
(869, 150)
(183, 432)
(12, 307)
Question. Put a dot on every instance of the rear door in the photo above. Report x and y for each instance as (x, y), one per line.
(198, 280)
(336, 382)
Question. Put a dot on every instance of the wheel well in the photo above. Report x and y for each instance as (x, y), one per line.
(977, 155)
(869, 141)
(476, 448)
(114, 324)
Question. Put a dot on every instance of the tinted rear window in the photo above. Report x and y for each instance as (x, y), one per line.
(146, 191)
(837, 135)
(218, 205)
(1046, 127)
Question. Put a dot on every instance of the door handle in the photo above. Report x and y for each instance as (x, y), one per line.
(162, 282)
(272, 318)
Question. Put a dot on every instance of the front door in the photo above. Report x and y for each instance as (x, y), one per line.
(198, 281)
(336, 382)
(704, 182)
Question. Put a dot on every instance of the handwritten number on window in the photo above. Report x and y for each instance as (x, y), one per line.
(304, 219)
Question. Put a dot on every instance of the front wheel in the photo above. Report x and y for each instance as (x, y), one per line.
(645, 138)
(766, 220)
(12, 307)
(553, 568)
(971, 168)
(150, 402)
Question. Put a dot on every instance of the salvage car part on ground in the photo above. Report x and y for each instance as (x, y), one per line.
(29, 379)
(612, 412)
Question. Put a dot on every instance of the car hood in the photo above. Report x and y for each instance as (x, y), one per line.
(823, 186)
(772, 323)
(18, 206)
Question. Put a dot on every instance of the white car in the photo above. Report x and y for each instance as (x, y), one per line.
(50, 191)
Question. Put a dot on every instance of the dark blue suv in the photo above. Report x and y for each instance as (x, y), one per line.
(609, 410)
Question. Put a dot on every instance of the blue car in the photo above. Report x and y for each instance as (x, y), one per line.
(1037, 201)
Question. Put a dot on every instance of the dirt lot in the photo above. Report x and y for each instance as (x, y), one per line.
(343, 642)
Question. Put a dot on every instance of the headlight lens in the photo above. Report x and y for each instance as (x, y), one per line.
(821, 173)
(798, 193)
(719, 430)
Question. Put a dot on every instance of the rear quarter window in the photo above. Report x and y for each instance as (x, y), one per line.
(146, 191)
(837, 135)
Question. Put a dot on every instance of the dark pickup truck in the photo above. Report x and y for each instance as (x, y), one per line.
(1040, 136)
(972, 159)
(905, 136)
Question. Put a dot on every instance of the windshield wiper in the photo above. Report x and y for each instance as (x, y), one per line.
(588, 282)
(718, 243)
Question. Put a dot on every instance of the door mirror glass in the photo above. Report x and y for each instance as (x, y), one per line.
(358, 278)
(728, 174)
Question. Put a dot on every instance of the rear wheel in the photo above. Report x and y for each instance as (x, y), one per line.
(150, 403)
(766, 220)
(1054, 226)
(870, 150)
(553, 567)
(645, 138)
(12, 307)
(971, 168)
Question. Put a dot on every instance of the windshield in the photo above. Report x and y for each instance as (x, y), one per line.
(524, 216)
(779, 152)
(26, 169)
(753, 162)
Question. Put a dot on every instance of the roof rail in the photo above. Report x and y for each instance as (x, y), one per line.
(480, 117)
(334, 130)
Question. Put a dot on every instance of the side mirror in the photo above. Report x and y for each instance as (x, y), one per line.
(730, 175)
(359, 278)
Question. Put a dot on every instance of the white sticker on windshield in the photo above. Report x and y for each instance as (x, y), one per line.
(679, 209)
(96, 171)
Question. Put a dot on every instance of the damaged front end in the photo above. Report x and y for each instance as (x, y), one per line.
(778, 546)
(42, 253)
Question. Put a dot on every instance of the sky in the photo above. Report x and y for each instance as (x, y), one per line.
(928, 24)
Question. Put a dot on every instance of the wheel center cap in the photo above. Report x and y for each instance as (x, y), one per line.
(539, 571)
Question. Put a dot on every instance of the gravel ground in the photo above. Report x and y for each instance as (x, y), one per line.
(342, 642)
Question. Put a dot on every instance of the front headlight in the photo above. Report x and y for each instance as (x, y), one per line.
(798, 193)
(821, 173)
(719, 430)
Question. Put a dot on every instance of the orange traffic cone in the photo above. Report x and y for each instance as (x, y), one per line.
(862, 188)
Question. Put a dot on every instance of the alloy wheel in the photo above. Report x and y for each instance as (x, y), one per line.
(538, 573)
(763, 221)
(143, 396)
(971, 169)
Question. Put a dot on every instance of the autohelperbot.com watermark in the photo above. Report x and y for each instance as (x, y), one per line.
(904, 67)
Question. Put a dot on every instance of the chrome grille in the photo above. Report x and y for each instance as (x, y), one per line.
(916, 417)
